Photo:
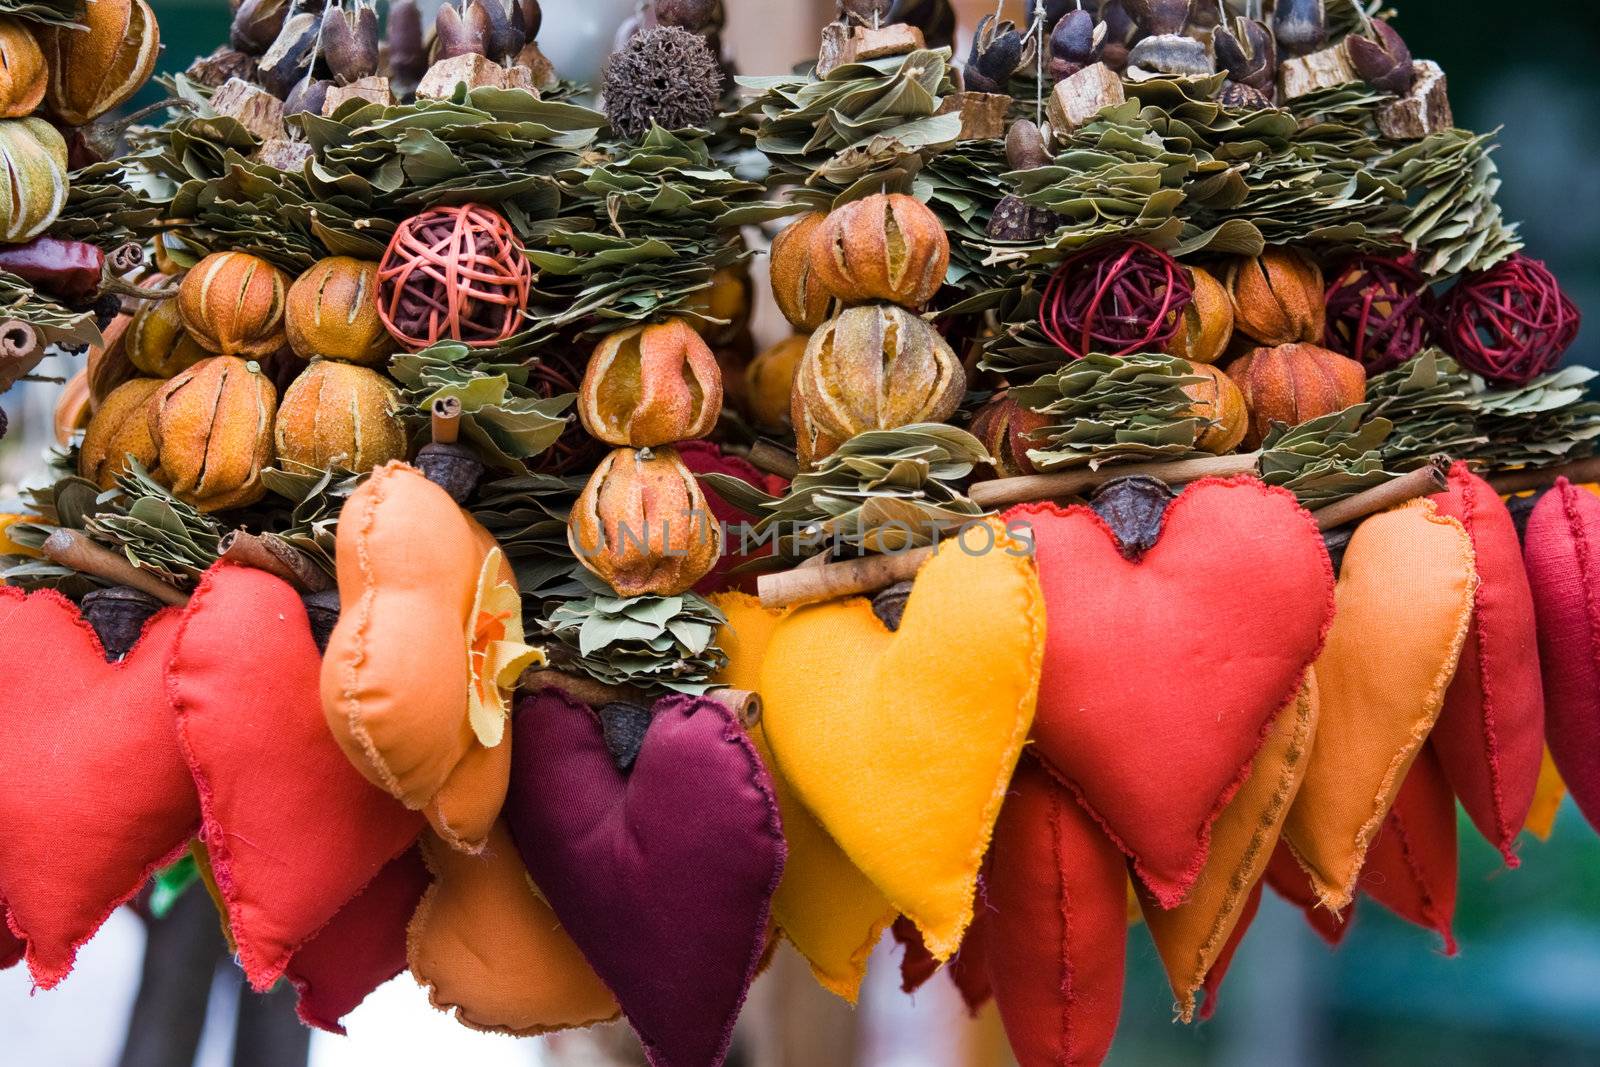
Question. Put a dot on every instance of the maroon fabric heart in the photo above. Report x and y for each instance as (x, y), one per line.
(663, 875)
(968, 968)
(94, 792)
(1162, 674)
(292, 829)
(362, 947)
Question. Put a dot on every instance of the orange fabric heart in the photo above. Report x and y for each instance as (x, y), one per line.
(1162, 675)
(1405, 603)
(95, 795)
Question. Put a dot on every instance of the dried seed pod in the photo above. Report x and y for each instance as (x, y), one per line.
(1384, 60)
(119, 429)
(455, 468)
(212, 426)
(1007, 430)
(665, 76)
(1157, 17)
(456, 35)
(1247, 51)
(233, 303)
(1135, 510)
(1207, 321)
(769, 383)
(1294, 383)
(307, 96)
(532, 18)
(98, 66)
(998, 48)
(1172, 54)
(1243, 97)
(118, 615)
(33, 160)
(349, 42)
(1075, 43)
(156, 342)
(651, 385)
(642, 525)
(872, 368)
(888, 246)
(338, 415)
(221, 66)
(1025, 147)
(802, 298)
(1277, 296)
(1219, 401)
(1301, 26)
(408, 52)
(256, 24)
(332, 313)
(503, 30)
(288, 58)
(23, 74)
(1014, 219)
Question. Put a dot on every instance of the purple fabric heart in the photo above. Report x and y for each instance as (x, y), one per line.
(663, 875)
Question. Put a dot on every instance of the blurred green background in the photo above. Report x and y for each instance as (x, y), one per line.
(1526, 986)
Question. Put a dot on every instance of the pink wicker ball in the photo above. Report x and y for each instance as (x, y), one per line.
(1116, 300)
(1380, 312)
(1510, 323)
(453, 273)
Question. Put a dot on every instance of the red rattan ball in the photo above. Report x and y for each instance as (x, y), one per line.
(1115, 299)
(551, 375)
(1510, 323)
(453, 273)
(1380, 312)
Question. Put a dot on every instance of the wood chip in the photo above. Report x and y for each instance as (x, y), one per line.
(374, 90)
(983, 115)
(1320, 70)
(475, 72)
(1425, 110)
(1076, 100)
(255, 109)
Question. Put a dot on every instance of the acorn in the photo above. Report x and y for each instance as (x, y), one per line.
(1301, 26)
(1075, 43)
(1384, 63)
(1246, 50)
(349, 42)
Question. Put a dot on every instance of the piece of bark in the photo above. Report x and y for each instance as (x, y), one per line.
(1423, 111)
(834, 51)
(284, 154)
(374, 90)
(1076, 100)
(474, 71)
(983, 115)
(1300, 75)
(252, 106)
(895, 39)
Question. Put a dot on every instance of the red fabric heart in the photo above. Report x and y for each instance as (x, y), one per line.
(1411, 868)
(94, 793)
(1162, 675)
(1219, 969)
(292, 829)
(703, 457)
(362, 947)
(1057, 892)
(1562, 551)
(1490, 735)
(11, 948)
(1290, 881)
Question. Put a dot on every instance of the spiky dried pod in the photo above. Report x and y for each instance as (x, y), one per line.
(1247, 51)
(664, 75)
(1301, 26)
(349, 43)
(1384, 60)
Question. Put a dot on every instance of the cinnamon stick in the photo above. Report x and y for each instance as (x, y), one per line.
(1420, 482)
(20, 351)
(70, 548)
(1521, 481)
(773, 459)
(812, 584)
(271, 553)
(1003, 492)
(446, 422)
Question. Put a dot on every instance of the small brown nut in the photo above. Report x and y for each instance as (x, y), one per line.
(119, 429)
(340, 416)
(888, 246)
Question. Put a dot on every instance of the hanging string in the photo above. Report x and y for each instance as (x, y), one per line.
(1038, 61)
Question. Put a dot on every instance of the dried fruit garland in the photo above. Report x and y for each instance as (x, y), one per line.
(1117, 284)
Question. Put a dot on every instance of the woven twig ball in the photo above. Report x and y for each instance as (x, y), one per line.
(1380, 312)
(1510, 323)
(1116, 300)
(554, 373)
(453, 273)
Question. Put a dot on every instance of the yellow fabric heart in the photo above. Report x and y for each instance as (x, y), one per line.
(902, 744)
(1191, 936)
(825, 906)
(1405, 598)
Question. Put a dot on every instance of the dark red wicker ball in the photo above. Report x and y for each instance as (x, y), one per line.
(1510, 323)
(1115, 299)
(453, 273)
(552, 375)
(1380, 312)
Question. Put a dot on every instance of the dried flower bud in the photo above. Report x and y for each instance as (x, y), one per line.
(1025, 147)
(1277, 296)
(532, 18)
(1075, 43)
(642, 525)
(212, 426)
(888, 246)
(119, 429)
(349, 43)
(1384, 63)
(1247, 51)
(651, 385)
(998, 48)
(502, 27)
(338, 415)
(1301, 26)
